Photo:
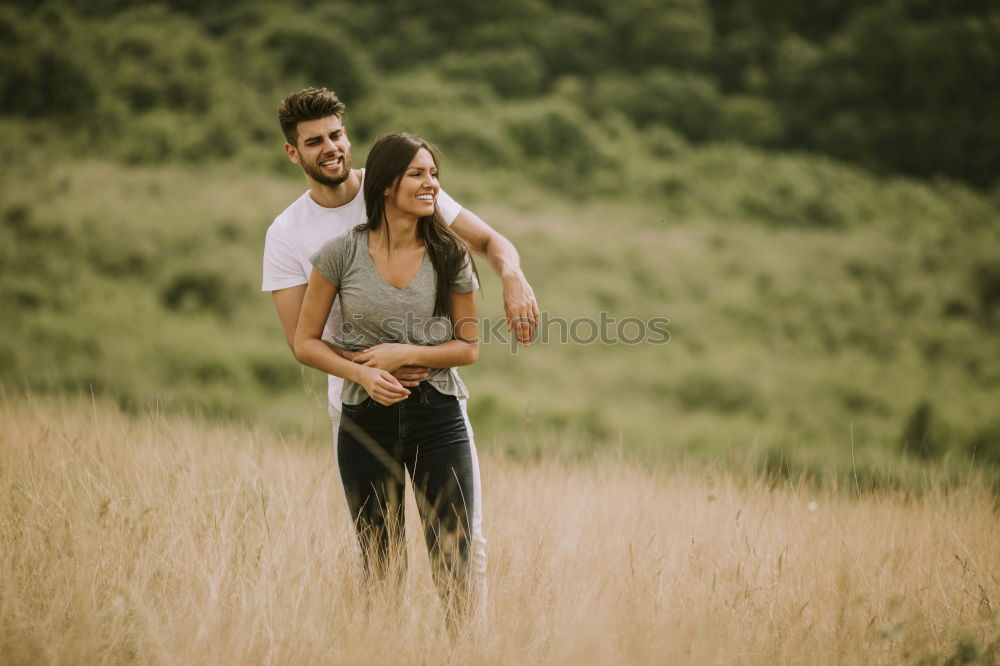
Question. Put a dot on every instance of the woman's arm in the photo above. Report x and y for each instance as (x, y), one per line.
(311, 350)
(463, 349)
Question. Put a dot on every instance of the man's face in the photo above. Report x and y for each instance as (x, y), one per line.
(322, 150)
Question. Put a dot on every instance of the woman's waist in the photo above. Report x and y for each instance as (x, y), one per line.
(443, 380)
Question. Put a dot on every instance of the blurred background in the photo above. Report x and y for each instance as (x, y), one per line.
(808, 192)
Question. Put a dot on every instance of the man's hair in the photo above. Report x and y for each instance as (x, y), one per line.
(308, 104)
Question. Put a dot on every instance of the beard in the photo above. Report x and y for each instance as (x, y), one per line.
(316, 173)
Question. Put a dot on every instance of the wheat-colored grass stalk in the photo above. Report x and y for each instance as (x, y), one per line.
(165, 540)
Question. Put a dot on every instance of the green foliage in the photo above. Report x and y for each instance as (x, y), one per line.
(688, 103)
(725, 395)
(159, 61)
(39, 76)
(194, 290)
(921, 434)
(984, 444)
(413, 103)
(986, 286)
(555, 127)
(676, 34)
(304, 51)
(752, 120)
(892, 85)
(569, 42)
(895, 86)
(510, 72)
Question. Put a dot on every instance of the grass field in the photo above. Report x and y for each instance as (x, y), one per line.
(157, 539)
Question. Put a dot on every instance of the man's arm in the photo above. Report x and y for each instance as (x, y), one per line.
(518, 297)
(288, 303)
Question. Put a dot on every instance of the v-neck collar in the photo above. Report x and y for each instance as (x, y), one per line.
(413, 277)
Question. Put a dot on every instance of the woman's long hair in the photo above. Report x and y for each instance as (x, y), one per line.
(387, 162)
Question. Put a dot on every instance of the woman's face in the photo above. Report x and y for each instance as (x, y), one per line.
(417, 188)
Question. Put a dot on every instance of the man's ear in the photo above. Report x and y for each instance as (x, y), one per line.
(292, 153)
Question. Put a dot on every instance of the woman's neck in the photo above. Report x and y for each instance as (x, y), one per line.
(402, 233)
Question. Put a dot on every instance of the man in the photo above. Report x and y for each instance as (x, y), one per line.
(316, 140)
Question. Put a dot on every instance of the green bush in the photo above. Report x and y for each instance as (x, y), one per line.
(561, 143)
(986, 285)
(511, 72)
(727, 395)
(413, 103)
(571, 42)
(41, 75)
(158, 60)
(201, 290)
(675, 34)
(984, 444)
(687, 103)
(892, 84)
(922, 435)
(752, 120)
(316, 53)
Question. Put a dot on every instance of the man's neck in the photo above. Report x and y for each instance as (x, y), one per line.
(335, 197)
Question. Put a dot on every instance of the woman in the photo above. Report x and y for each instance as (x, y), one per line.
(406, 287)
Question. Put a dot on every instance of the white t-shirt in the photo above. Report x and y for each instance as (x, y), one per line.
(302, 229)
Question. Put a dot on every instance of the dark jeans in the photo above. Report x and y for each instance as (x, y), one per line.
(424, 436)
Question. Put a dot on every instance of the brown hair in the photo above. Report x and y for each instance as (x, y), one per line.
(387, 161)
(307, 104)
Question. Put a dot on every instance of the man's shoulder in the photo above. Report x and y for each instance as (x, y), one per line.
(344, 244)
(291, 215)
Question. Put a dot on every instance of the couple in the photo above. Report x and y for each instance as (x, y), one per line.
(373, 284)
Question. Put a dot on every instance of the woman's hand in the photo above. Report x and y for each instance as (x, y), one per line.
(386, 356)
(382, 386)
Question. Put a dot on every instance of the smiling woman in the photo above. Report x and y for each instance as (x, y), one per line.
(405, 283)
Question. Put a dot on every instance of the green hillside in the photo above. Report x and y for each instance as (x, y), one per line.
(789, 336)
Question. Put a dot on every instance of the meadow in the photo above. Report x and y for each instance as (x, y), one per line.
(159, 539)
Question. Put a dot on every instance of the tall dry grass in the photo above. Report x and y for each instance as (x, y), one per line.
(163, 540)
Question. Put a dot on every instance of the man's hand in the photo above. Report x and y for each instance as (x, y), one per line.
(387, 356)
(408, 375)
(520, 307)
(518, 297)
(411, 375)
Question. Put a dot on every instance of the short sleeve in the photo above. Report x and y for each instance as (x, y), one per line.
(448, 207)
(465, 281)
(281, 263)
(331, 259)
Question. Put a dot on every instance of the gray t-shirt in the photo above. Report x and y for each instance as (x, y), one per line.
(375, 312)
